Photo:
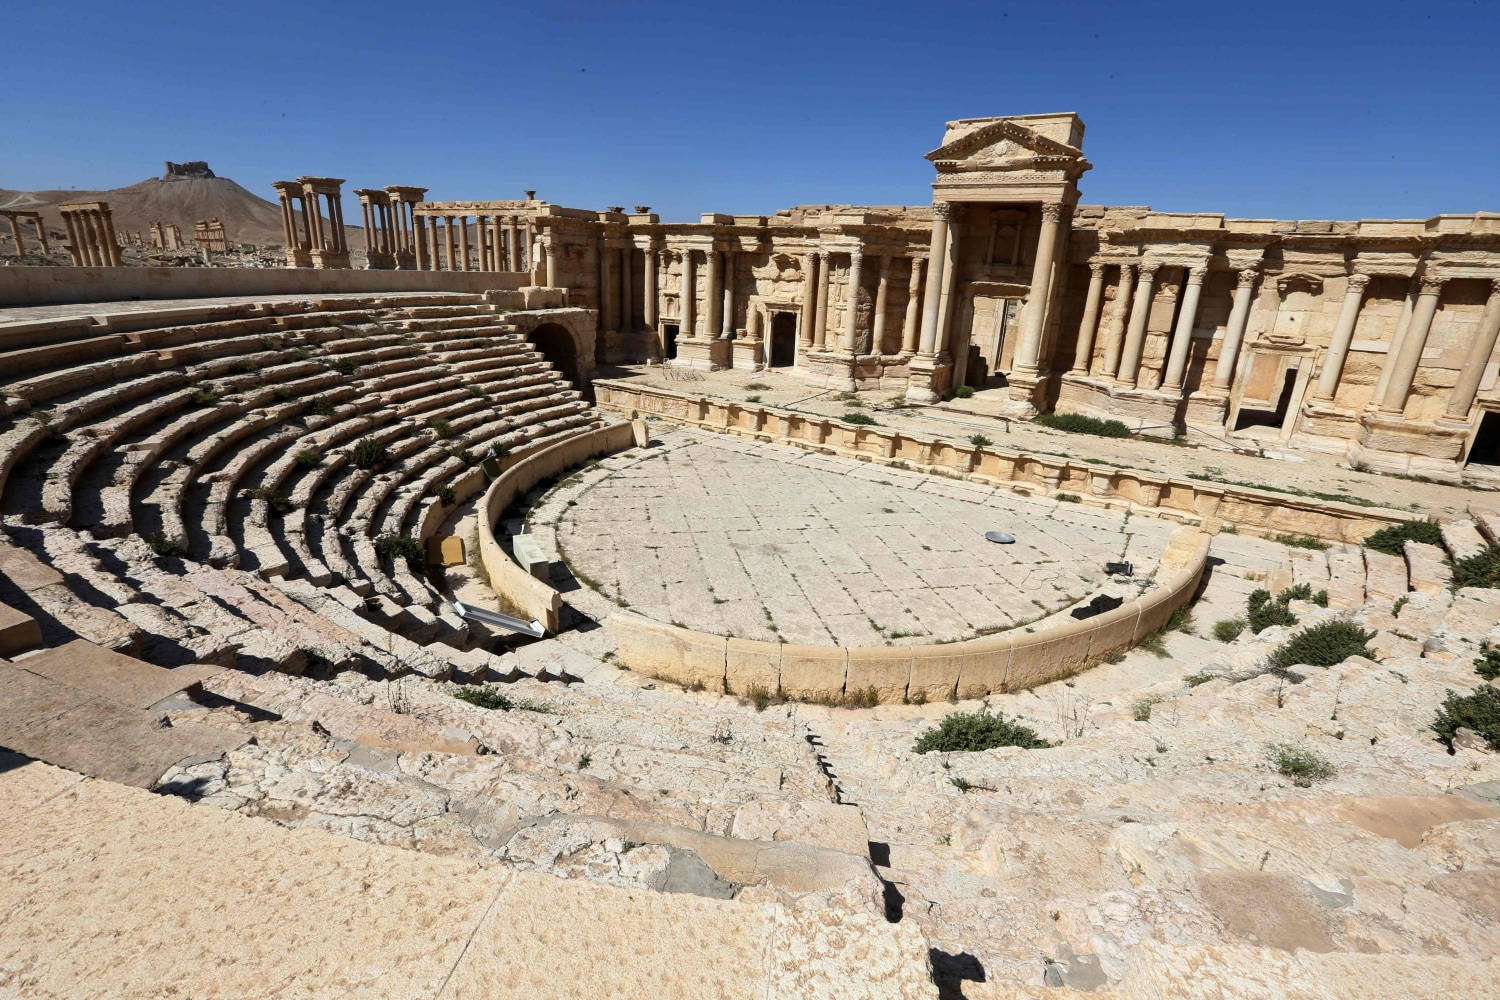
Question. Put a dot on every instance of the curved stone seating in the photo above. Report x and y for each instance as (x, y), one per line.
(132, 438)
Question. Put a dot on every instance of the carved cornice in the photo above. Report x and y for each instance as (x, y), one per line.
(967, 145)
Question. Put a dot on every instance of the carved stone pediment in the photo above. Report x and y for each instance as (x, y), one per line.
(1005, 146)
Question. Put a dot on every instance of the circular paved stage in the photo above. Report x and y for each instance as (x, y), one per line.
(761, 541)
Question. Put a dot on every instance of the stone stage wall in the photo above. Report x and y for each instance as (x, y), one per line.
(34, 286)
(1189, 501)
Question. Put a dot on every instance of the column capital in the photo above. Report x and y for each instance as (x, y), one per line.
(1247, 276)
(1149, 268)
(1495, 286)
(1052, 211)
(1196, 274)
(1431, 284)
(942, 210)
(856, 253)
(1358, 282)
(822, 256)
(1096, 268)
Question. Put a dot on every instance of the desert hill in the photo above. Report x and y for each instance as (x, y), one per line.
(178, 197)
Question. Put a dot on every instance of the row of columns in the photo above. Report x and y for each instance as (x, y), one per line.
(442, 243)
(35, 218)
(1125, 337)
(91, 234)
(388, 215)
(312, 243)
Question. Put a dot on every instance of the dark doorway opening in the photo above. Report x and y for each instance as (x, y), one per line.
(669, 340)
(1486, 449)
(783, 340)
(1250, 417)
(556, 345)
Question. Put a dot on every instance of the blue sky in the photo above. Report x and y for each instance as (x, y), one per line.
(1266, 109)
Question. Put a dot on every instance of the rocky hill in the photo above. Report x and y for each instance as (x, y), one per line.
(184, 194)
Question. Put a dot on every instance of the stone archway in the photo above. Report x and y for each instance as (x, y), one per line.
(557, 345)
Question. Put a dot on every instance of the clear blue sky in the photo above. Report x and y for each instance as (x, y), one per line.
(1263, 109)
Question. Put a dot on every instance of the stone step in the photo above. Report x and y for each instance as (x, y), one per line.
(1462, 538)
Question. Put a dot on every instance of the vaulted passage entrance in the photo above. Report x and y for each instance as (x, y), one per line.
(556, 345)
(783, 340)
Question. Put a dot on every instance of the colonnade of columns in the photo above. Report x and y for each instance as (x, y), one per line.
(311, 244)
(442, 242)
(91, 234)
(35, 218)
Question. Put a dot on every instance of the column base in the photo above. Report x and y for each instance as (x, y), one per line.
(330, 259)
(1386, 436)
(747, 354)
(1027, 390)
(377, 260)
(406, 260)
(298, 257)
(927, 380)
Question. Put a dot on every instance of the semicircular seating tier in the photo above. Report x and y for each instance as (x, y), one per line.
(209, 484)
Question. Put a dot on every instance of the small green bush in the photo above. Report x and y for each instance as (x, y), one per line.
(759, 696)
(752, 386)
(1261, 612)
(1302, 765)
(1229, 629)
(964, 391)
(276, 500)
(1478, 710)
(393, 547)
(1487, 664)
(1069, 498)
(368, 453)
(204, 396)
(441, 427)
(1482, 569)
(444, 494)
(345, 366)
(1201, 677)
(484, 697)
(980, 441)
(1302, 542)
(1392, 539)
(1077, 423)
(1141, 711)
(752, 399)
(962, 732)
(1323, 645)
(308, 458)
(243, 366)
(862, 419)
(167, 548)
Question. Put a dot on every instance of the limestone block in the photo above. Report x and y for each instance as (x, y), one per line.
(1428, 568)
(1048, 654)
(1346, 578)
(1385, 575)
(18, 631)
(445, 550)
(813, 673)
(1461, 538)
(675, 654)
(110, 675)
(887, 669)
(750, 663)
(826, 824)
(961, 669)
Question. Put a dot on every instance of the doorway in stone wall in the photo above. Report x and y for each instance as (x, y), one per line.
(1254, 417)
(783, 340)
(1486, 447)
(669, 340)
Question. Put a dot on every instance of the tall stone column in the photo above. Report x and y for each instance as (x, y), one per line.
(937, 264)
(627, 306)
(688, 296)
(711, 302)
(1343, 335)
(111, 242)
(92, 239)
(1478, 358)
(41, 233)
(849, 338)
(1397, 339)
(913, 308)
(75, 242)
(1234, 332)
(820, 305)
(450, 236)
(809, 297)
(1036, 303)
(419, 233)
(882, 293)
(607, 300)
(515, 244)
(463, 242)
(1393, 403)
(319, 236)
(726, 318)
(649, 292)
(1135, 335)
(15, 230)
(1083, 351)
(1182, 337)
(551, 252)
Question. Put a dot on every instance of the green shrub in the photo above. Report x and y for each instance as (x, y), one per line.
(1479, 711)
(204, 396)
(862, 419)
(759, 696)
(1392, 539)
(1201, 677)
(167, 548)
(393, 547)
(1141, 710)
(962, 732)
(1261, 612)
(980, 441)
(368, 453)
(752, 399)
(964, 391)
(1302, 765)
(441, 427)
(345, 366)
(1069, 498)
(752, 386)
(244, 366)
(443, 493)
(1487, 664)
(320, 407)
(1482, 569)
(308, 458)
(484, 697)
(1323, 645)
(1077, 423)
(1229, 629)
(276, 500)
(475, 391)
(1302, 542)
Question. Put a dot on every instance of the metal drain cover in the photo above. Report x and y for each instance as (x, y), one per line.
(1000, 536)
